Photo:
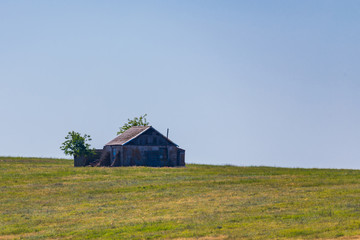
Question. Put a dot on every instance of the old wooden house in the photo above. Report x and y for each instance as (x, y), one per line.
(141, 146)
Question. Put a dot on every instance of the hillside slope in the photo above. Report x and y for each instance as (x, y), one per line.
(49, 198)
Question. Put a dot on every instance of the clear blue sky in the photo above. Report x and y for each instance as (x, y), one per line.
(273, 83)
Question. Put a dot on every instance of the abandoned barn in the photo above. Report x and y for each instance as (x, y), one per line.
(138, 146)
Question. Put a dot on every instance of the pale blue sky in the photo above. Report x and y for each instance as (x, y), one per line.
(271, 83)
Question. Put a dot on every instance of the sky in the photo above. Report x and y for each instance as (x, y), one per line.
(247, 83)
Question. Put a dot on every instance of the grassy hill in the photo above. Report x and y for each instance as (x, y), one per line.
(50, 199)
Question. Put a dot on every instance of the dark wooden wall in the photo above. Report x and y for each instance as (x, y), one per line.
(152, 156)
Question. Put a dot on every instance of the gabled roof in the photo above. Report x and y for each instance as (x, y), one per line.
(131, 134)
(128, 135)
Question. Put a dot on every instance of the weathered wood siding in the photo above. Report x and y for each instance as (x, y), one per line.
(149, 149)
(153, 156)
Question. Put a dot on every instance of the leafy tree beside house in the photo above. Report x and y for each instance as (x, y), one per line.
(77, 145)
(137, 121)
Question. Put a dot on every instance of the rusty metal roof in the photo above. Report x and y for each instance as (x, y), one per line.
(128, 135)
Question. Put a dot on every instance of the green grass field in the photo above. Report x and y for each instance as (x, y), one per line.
(50, 199)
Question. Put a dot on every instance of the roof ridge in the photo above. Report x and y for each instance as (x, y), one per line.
(128, 135)
(146, 128)
(132, 133)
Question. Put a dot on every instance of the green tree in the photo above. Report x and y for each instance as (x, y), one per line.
(76, 145)
(137, 121)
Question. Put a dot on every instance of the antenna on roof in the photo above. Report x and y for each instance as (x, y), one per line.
(167, 133)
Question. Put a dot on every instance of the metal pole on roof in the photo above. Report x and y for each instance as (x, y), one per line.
(167, 134)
